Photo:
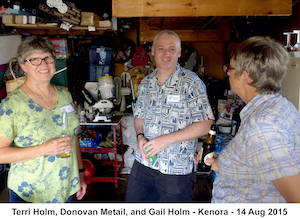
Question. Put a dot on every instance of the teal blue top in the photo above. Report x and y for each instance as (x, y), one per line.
(49, 178)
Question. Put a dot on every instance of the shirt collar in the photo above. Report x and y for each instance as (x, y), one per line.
(254, 104)
(173, 76)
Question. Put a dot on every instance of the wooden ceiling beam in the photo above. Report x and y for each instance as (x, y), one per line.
(192, 8)
(217, 21)
(190, 35)
(207, 23)
(169, 22)
(155, 23)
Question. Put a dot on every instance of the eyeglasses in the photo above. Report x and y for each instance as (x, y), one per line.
(227, 68)
(38, 61)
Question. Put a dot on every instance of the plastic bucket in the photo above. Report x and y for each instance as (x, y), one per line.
(107, 91)
(92, 88)
(105, 80)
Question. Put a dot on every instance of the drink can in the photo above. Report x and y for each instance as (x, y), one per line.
(152, 158)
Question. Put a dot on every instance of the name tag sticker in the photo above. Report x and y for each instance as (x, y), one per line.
(173, 99)
(68, 108)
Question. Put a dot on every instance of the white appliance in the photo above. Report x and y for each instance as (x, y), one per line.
(291, 82)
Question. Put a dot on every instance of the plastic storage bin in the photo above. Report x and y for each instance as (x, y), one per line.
(100, 55)
(98, 71)
(61, 47)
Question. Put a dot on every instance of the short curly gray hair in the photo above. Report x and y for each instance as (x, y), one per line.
(265, 60)
(34, 44)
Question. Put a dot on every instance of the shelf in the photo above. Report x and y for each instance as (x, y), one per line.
(97, 150)
(45, 29)
(50, 26)
(118, 165)
(115, 121)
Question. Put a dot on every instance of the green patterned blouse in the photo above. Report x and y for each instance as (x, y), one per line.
(46, 179)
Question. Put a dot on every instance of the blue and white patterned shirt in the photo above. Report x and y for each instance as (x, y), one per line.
(179, 102)
(266, 147)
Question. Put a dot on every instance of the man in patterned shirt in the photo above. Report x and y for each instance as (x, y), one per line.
(171, 112)
(262, 162)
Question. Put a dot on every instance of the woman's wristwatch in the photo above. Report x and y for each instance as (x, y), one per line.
(140, 134)
(81, 170)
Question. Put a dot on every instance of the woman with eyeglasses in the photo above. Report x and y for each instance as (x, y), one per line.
(262, 162)
(30, 126)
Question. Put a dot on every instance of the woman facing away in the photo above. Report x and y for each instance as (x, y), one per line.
(262, 162)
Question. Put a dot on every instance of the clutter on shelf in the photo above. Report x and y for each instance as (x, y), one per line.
(228, 113)
(51, 14)
(89, 138)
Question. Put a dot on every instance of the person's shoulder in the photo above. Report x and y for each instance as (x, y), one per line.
(187, 72)
(149, 77)
(274, 112)
(62, 90)
(190, 75)
(15, 95)
(12, 102)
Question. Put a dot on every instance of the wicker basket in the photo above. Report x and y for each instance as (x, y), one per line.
(11, 85)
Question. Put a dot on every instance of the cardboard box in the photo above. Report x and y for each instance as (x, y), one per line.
(32, 19)
(21, 19)
(106, 23)
(90, 19)
(8, 18)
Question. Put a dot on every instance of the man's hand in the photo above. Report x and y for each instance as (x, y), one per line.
(142, 141)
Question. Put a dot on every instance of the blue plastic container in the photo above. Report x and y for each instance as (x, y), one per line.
(89, 138)
(97, 71)
(100, 55)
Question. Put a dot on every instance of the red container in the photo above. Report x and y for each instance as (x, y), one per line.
(90, 169)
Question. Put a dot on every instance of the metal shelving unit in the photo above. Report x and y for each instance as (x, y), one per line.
(118, 165)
